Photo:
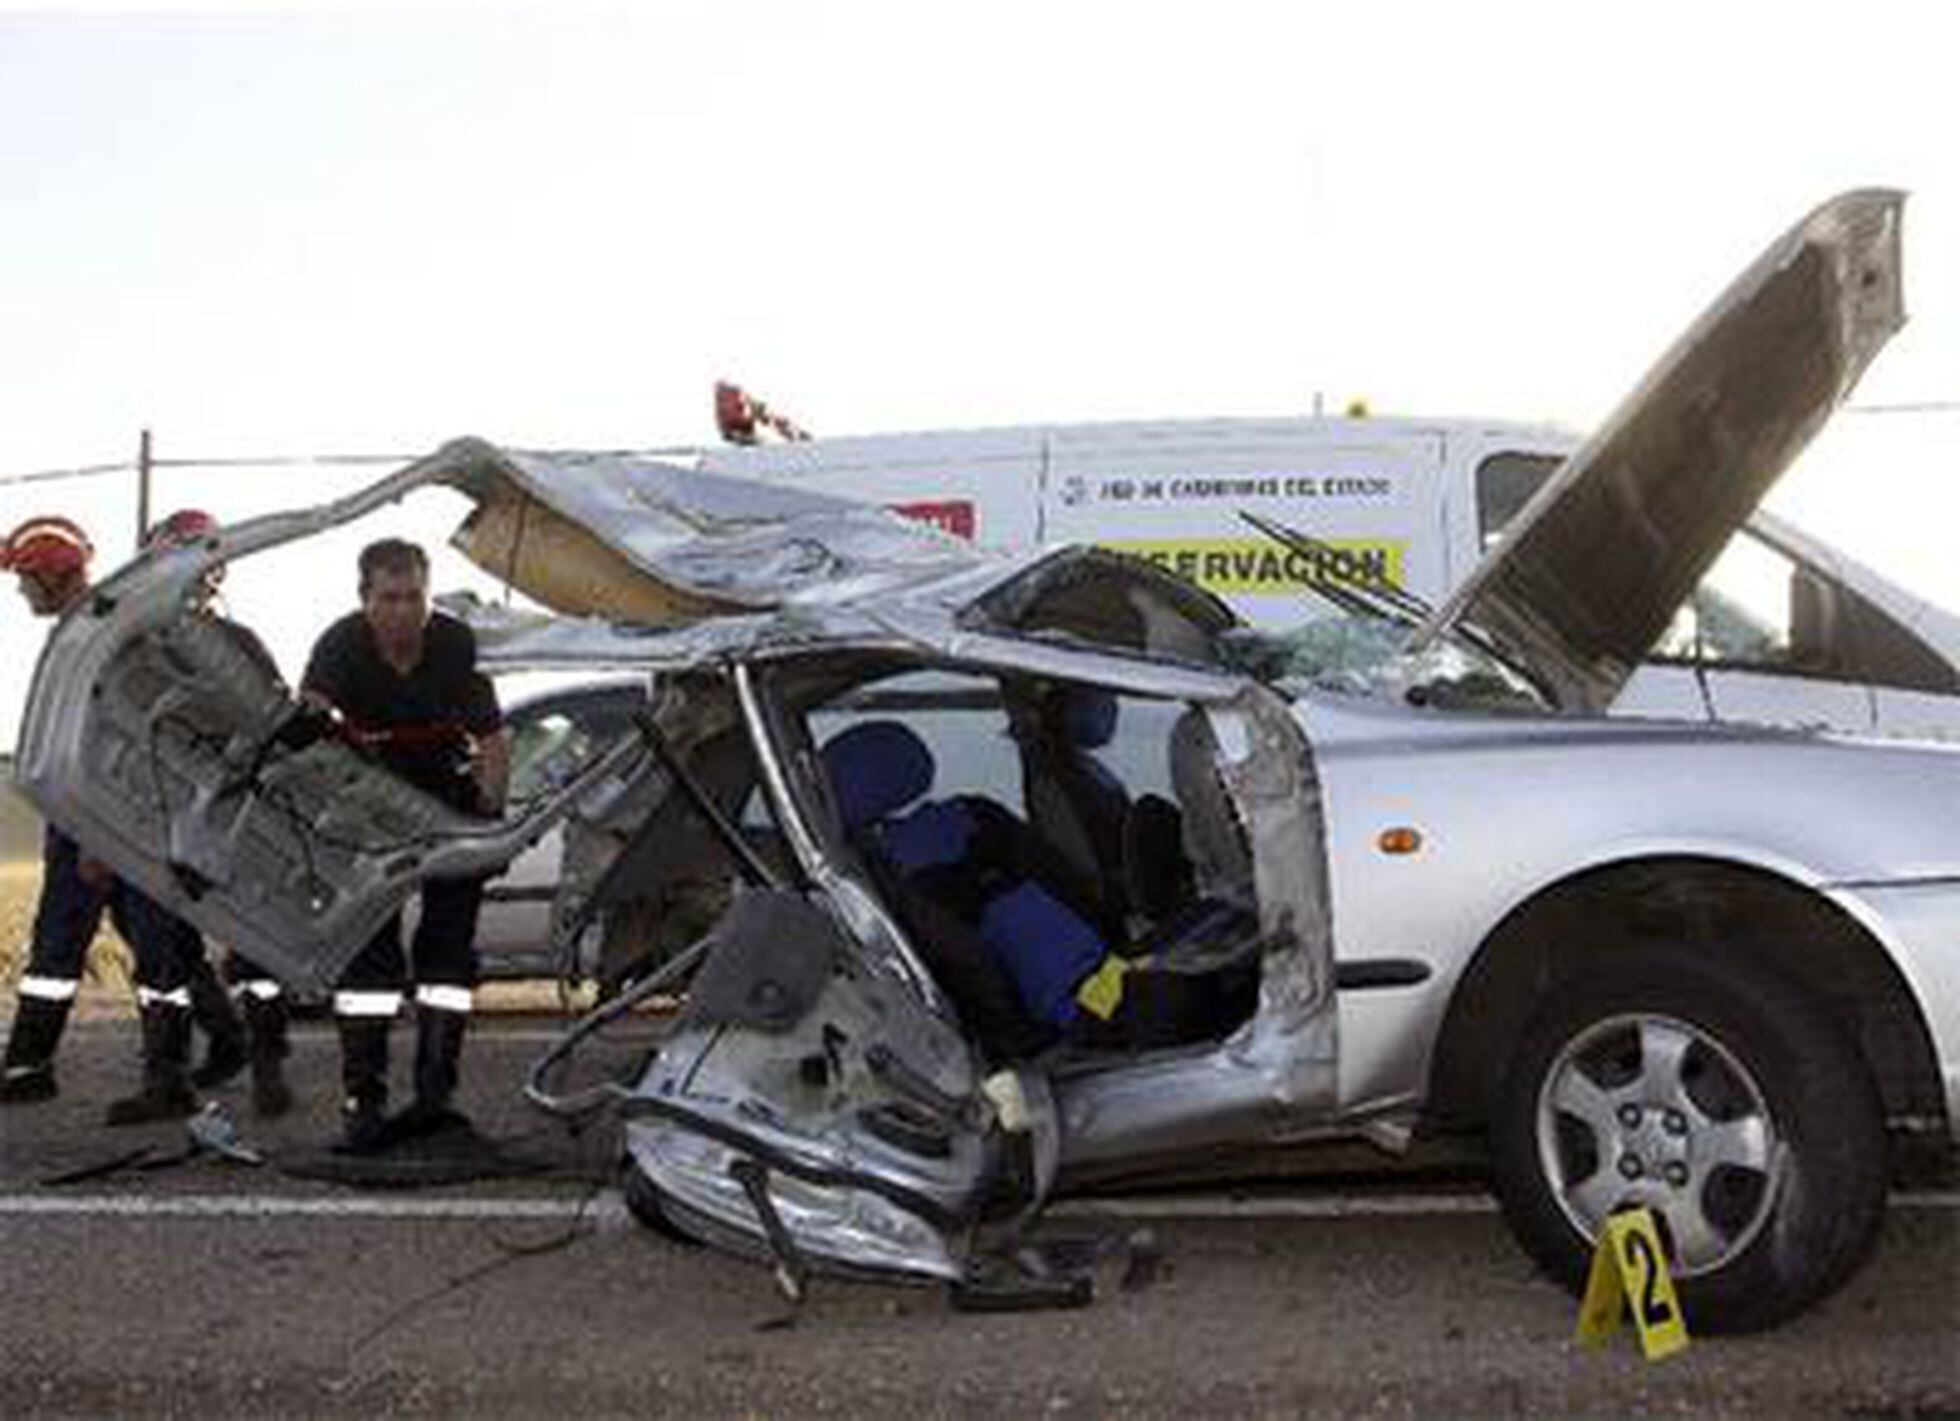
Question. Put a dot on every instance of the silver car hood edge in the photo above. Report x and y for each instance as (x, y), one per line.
(1585, 580)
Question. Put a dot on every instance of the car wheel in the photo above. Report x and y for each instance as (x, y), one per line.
(1716, 1094)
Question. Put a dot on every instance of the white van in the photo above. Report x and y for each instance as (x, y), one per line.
(1785, 630)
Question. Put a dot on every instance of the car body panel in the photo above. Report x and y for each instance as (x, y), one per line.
(1586, 578)
(150, 737)
(1844, 813)
(1919, 923)
(664, 544)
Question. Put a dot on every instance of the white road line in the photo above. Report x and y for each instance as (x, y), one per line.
(606, 1206)
(491, 1035)
(608, 1209)
(1225, 1206)
(1355, 1206)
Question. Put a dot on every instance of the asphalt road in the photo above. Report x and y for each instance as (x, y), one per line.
(210, 1289)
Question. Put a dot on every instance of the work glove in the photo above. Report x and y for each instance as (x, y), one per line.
(309, 724)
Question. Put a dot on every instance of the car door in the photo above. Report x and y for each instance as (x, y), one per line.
(817, 1099)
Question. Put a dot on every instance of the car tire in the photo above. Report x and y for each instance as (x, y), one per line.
(1715, 1092)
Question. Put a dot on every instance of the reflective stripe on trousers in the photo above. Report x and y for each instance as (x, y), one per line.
(444, 997)
(49, 989)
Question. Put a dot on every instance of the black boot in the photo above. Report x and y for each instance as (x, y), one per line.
(438, 1048)
(166, 1092)
(364, 1078)
(28, 1074)
(217, 1016)
(265, 1034)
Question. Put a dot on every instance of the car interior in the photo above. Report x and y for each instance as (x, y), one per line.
(1064, 860)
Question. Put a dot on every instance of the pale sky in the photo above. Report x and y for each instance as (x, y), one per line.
(279, 229)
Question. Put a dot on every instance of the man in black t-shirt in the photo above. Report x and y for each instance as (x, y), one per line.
(406, 686)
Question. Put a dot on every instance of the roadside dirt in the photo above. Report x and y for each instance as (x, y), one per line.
(106, 983)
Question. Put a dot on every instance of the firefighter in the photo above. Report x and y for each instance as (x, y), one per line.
(50, 556)
(264, 1045)
(406, 687)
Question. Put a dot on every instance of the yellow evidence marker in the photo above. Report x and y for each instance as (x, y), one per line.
(1629, 1270)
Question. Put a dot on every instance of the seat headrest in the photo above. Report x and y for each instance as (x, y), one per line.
(876, 769)
(1088, 716)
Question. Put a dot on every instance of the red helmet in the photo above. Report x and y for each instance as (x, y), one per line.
(180, 529)
(47, 544)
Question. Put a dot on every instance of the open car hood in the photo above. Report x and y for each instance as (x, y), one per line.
(1585, 581)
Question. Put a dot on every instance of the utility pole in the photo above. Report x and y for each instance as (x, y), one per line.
(142, 487)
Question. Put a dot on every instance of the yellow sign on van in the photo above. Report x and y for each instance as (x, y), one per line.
(1260, 565)
(1629, 1272)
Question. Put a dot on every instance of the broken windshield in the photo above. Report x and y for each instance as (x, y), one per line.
(1352, 653)
(1361, 647)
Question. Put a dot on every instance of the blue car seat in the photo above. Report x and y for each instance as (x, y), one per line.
(1075, 802)
(966, 853)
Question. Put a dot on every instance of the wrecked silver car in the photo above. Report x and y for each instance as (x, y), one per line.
(966, 956)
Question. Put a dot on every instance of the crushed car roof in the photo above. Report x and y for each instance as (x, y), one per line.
(642, 539)
(645, 562)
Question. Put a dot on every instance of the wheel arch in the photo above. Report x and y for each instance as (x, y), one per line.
(1781, 925)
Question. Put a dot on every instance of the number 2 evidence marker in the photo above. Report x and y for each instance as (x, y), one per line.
(1629, 1270)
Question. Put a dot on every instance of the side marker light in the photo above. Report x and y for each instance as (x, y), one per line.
(1400, 839)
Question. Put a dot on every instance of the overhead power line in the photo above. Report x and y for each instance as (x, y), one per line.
(128, 466)
(248, 461)
(86, 471)
(298, 461)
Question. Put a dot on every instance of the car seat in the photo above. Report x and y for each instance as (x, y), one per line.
(925, 860)
(1018, 961)
(1075, 803)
